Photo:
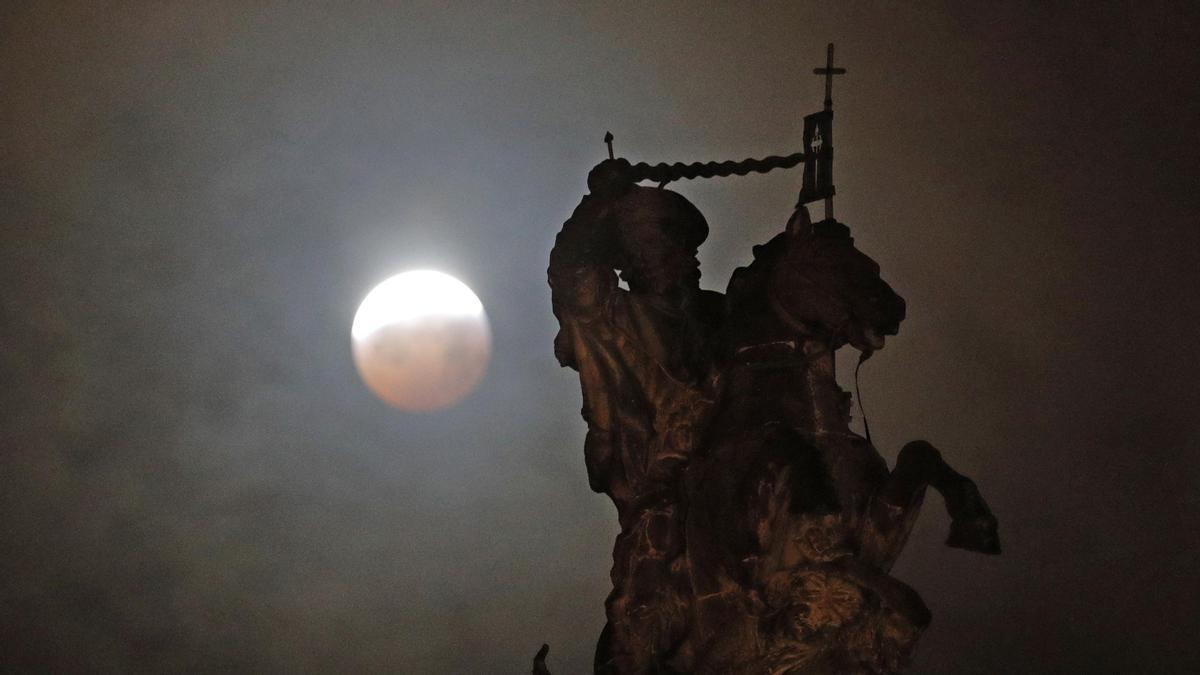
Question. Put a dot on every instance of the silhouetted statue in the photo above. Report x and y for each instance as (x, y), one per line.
(644, 358)
(757, 530)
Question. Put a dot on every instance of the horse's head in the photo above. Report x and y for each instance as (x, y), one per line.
(817, 286)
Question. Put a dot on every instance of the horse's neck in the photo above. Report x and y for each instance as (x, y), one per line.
(821, 401)
(801, 392)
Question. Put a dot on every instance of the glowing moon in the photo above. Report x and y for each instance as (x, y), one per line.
(421, 340)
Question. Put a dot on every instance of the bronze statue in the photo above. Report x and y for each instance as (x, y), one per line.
(644, 357)
(757, 530)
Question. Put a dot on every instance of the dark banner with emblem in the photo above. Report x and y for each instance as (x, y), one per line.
(818, 157)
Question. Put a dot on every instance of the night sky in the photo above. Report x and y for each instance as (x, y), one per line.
(194, 196)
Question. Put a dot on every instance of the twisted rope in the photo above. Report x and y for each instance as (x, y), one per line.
(665, 173)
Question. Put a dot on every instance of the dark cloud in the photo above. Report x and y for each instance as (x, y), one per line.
(194, 196)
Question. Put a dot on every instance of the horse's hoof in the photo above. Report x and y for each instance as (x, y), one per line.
(977, 534)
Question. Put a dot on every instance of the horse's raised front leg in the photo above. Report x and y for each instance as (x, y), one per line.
(972, 525)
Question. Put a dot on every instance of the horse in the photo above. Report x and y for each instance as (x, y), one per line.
(793, 521)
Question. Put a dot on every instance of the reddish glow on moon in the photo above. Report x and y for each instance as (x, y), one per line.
(421, 340)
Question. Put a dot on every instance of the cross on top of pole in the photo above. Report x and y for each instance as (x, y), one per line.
(829, 71)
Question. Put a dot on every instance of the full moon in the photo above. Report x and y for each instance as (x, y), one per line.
(421, 340)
